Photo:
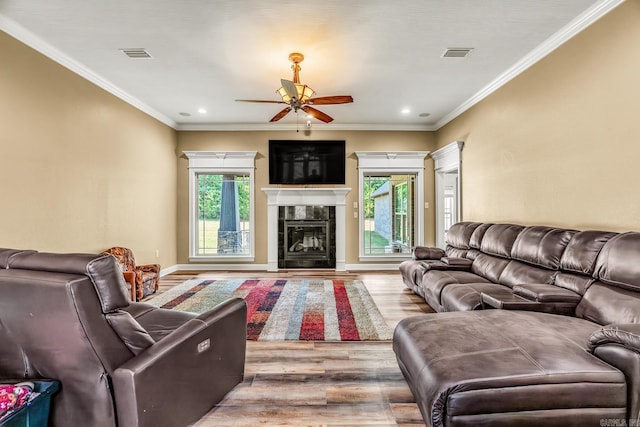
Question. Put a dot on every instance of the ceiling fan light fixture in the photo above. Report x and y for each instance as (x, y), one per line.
(304, 93)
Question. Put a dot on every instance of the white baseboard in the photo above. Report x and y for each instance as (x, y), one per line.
(264, 267)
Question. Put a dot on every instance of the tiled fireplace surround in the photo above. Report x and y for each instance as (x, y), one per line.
(277, 197)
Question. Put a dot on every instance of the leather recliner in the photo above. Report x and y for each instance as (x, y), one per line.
(68, 317)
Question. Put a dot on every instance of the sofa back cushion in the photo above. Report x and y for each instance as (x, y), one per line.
(607, 305)
(520, 273)
(478, 234)
(498, 240)
(582, 252)
(541, 246)
(615, 297)
(488, 266)
(459, 234)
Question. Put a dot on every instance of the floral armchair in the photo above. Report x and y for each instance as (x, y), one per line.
(142, 279)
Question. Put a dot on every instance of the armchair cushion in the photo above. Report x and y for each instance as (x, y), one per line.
(146, 277)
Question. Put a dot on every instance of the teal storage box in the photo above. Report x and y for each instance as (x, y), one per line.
(35, 413)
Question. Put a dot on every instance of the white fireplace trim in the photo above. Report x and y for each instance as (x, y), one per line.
(277, 197)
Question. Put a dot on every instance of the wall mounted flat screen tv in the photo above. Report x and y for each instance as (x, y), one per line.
(306, 162)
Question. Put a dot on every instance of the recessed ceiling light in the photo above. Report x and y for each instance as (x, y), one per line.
(406, 110)
(182, 113)
(202, 110)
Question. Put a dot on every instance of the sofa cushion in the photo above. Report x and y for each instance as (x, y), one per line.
(604, 304)
(466, 296)
(582, 251)
(476, 238)
(574, 282)
(619, 262)
(507, 368)
(489, 267)
(541, 246)
(499, 239)
(517, 273)
(615, 298)
(459, 234)
(434, 281)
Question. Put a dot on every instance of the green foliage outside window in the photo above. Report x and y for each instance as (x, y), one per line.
(209, 195)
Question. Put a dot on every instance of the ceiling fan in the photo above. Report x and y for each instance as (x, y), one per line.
(299, 97)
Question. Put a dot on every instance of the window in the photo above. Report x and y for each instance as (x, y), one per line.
(224, 206)
(221, 205)
(391, 195)
(388, 213)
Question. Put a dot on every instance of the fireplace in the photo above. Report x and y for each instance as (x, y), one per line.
(306, 237)
(305, 198)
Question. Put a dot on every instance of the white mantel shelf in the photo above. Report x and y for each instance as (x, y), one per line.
(306, 197)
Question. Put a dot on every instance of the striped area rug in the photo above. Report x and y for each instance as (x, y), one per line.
(288, 310)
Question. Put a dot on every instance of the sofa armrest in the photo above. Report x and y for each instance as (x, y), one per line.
(542, 292)
(179, 378)
(458, 263)
(626, 335)
(426, 252)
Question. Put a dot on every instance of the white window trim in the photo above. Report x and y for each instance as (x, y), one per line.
(446, 159)
(219, 162)
(388, 162)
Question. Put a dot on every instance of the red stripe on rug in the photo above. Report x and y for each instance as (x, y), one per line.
(346, 321)
(263, 299)
(312, 328)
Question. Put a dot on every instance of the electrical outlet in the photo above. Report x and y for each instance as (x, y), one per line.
(426, 205)
(355, 205)
(355, 214)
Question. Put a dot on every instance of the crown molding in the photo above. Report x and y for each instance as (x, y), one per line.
(23, 35)
(581, 22)
(321, 127)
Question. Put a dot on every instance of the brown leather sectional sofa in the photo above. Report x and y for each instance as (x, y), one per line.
(120, 363)
(538, 326)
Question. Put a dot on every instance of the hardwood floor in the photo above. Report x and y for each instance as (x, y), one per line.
(321, 383)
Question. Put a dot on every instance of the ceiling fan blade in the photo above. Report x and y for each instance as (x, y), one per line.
(290, 88)
(317, 114)
(325, 100)
(280, 115)
(260, 100)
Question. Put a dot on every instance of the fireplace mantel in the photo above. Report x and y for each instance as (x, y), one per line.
(305, 197)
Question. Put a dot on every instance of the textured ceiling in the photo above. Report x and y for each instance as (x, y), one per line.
(386, 54)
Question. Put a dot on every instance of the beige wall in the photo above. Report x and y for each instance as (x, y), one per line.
(80, 169)
(258, 141)
(560, 144)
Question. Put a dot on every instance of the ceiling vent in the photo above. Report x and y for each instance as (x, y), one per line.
(458, 52)
(136, 53)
